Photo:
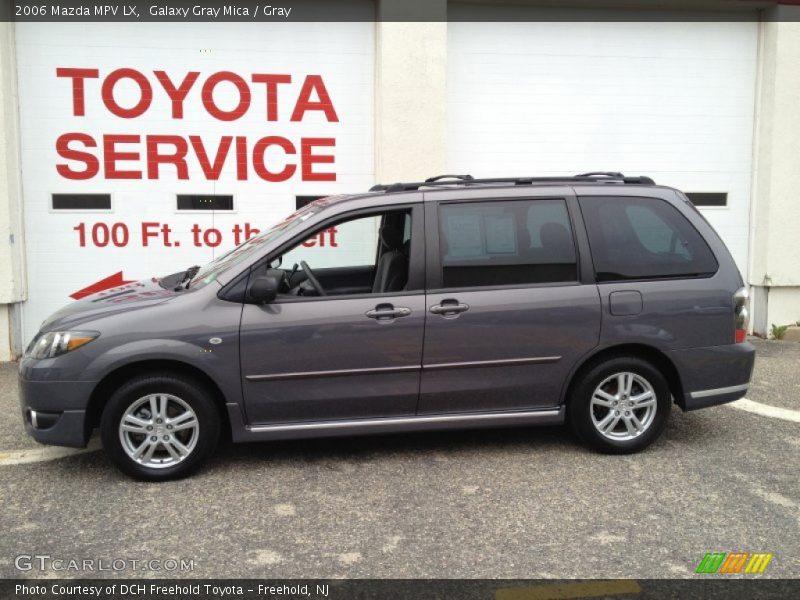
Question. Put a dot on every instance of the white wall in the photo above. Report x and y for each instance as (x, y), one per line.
(341, 53)
(410, 129)
(775, 220)
(12, 256)
(673, 100)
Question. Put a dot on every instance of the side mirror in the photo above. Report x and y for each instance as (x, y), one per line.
(263, 289)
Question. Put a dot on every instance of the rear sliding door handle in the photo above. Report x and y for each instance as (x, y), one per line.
(449, 307)
(387, 312)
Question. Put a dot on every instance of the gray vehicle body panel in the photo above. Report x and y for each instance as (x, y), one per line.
(320, 367)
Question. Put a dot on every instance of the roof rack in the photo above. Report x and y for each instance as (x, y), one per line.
(468, 180)
(441, 177)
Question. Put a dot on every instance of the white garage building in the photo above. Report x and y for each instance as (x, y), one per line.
(132, 150)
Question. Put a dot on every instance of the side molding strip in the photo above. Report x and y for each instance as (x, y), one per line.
(492, 363)
(719, 391)
(339, 373)
(554, 416)
(403, 369)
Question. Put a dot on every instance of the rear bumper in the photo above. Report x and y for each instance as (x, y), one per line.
(712, 397)
(54, 412)
(714, 375)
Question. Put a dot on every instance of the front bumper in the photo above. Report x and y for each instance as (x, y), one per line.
(54, 412)
(715, 374)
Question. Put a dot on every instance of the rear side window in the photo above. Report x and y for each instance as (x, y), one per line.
(485, 244)
(643, 238)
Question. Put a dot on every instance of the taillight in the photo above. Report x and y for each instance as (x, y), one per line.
(740, 314)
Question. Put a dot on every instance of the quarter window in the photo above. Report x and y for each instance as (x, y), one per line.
(517, 242)
(643, 238)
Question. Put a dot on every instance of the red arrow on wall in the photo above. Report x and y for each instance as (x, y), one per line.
(111, 281)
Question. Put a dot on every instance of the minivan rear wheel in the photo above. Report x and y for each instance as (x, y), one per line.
(159, 427)
(620, 405)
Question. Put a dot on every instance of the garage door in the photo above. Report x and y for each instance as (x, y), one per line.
(147, 149)
(673, 100)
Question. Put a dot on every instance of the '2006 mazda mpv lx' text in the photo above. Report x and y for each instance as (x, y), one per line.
(597, 300)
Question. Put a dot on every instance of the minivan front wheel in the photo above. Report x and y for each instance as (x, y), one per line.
(159, 427)
(620, 405)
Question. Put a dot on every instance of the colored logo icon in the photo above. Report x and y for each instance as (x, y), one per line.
(734, 562)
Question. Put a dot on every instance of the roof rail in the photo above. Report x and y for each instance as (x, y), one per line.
(468, 180)
(440, 177)
(614, 174)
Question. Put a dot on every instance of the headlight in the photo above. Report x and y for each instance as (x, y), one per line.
(56, 343)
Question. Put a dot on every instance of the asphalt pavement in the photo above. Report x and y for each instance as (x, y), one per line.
(515, 503)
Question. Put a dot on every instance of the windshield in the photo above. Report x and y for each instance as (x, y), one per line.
(243, 252)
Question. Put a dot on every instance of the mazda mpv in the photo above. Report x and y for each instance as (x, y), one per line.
(597, 300)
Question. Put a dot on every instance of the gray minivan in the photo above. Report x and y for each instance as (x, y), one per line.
(597, 300)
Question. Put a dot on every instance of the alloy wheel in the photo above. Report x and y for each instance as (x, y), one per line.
(159, 430)
(623, 406)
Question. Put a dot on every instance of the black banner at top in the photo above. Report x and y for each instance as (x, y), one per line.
(279, 11)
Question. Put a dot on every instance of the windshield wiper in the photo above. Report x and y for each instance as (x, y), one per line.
(187, 278)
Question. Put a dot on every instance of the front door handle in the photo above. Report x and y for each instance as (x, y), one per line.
(387, 312)
(449, 308)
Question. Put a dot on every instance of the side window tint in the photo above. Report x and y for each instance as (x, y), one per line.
(506, 243)
(654, 233)
(643, 238)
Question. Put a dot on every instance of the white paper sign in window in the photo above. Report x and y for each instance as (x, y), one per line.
(501, 235)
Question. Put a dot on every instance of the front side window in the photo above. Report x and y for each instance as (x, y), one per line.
(643, 238)
(348, 244)
(239, 256)
(367, 254)
(515, 242)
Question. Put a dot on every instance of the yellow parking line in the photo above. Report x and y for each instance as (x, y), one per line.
(562, 591)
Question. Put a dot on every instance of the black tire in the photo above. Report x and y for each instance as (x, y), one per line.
(580, 411)
(186, 390)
